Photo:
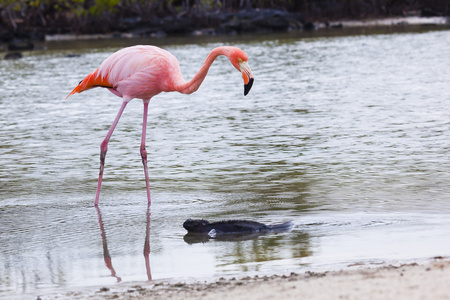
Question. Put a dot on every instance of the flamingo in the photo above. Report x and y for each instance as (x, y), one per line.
(142, 72)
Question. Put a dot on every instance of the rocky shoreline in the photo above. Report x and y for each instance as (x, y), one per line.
(260, 21)
(214, 23)
(234, 27)
(257, 21)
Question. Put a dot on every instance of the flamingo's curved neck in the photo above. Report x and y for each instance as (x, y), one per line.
(193, 84)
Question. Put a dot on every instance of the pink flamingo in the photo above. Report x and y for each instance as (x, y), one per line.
(144, 71)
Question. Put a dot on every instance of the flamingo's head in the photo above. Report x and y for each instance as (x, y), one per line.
(240, 61)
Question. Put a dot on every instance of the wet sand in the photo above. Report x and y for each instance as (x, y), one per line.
(427, 280)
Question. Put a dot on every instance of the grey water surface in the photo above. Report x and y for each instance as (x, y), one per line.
(346, 136)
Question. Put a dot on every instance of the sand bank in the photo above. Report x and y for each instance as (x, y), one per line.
(403, 281)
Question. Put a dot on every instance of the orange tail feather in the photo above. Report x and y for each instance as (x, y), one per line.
(91, 81)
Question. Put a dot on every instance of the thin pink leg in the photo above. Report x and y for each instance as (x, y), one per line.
(143, 151)
(147, 245)
(104, 148)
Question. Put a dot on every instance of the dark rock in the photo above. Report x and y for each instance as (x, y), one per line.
(261, 20)
(309, 26)
(234, 24)
(6, 36)
(257, 20)
(13, 55)
(19, 45)
(337, 26)
(271, 19)
(177, 25)
(72, 55)
(217, 18)
(428, 12)
(144, 31)
(126, 24)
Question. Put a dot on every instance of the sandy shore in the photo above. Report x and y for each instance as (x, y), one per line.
(429, 280)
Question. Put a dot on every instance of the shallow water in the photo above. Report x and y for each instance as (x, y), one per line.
(347, 136)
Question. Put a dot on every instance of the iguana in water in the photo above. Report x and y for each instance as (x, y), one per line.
(231, 227)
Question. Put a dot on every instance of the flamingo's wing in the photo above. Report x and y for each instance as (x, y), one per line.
(134, 72)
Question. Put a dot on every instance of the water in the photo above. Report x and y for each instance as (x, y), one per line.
(347, 136)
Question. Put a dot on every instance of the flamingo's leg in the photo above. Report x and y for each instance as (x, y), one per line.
(143, 150)
(104, 149)
(147, 246)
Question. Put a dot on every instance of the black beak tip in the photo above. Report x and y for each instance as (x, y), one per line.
(248, 86)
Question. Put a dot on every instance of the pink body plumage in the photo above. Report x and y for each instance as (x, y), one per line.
(135, 72)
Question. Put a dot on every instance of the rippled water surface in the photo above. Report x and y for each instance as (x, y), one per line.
(346, 136)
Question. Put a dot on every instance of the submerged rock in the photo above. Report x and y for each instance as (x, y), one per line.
(13, 55)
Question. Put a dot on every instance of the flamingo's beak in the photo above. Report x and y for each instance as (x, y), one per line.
(247, 76)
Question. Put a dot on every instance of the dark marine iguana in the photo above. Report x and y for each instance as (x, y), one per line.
(231, 227)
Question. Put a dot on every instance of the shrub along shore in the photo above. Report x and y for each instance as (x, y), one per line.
(34, 20)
